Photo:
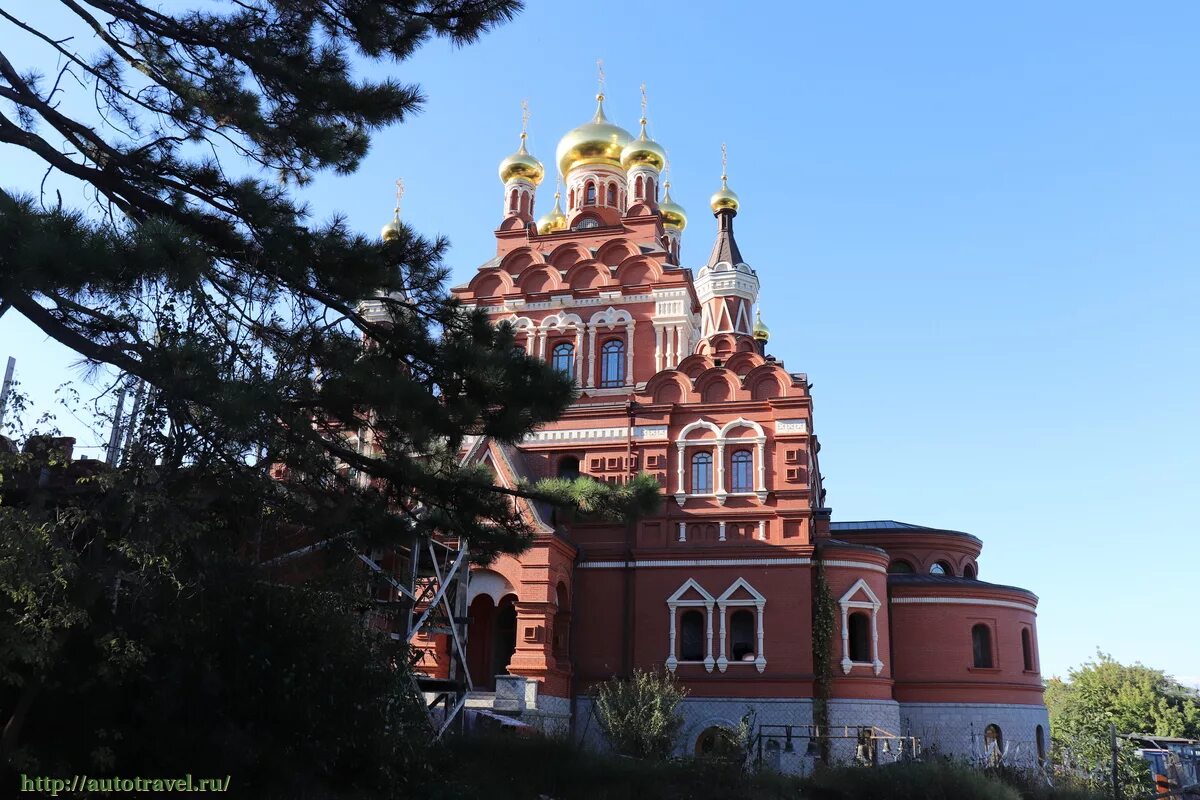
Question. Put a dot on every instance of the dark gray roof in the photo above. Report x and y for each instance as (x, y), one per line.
(946, 580)
(874, 525)
(725, 248)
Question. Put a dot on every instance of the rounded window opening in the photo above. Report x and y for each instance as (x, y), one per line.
(612, 194)
(941, 568)
(563, 358)
(859, 635)
(612, 364)
(969, 572)
(741, 636)
(981, 646)
(1027, 649)
(589, 194)
(1040, 738)
(741, 481)
(993, 740)
(702, 473)
(717, 742)
(901, 567)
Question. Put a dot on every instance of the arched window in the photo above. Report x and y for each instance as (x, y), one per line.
(941, 568)
(981, 646)
(691, 636)
(900, 567)
(1027, 649)
(741, 635)
(612, 364)
(589, 196)
(612, 194)
(993, 740)
(571, 199)
(650, 189)
(568, 467)
(512, 201)
(702, 473)
(1040, 737)
(860, 637)
(743, 467)
(638, 191)
(969, 572)
(718, 743)
(564, 358)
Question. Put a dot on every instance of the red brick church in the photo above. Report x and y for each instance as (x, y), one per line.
(676, 379)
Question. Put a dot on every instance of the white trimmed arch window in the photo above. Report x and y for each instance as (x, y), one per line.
(860, 628)
(688, 600)
(740, 608)
(739, 619)
(740, 461)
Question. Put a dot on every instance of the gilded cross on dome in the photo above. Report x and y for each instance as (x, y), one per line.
(399, 196)
(724, 163)
(643, 104)
(524, 118)
(600, 77)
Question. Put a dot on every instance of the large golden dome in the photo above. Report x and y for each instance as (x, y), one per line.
(522, 165)
(643, 151)
(673, 215)
(597, 142)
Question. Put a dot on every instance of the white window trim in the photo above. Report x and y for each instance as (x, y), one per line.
(758, 601)
(675, 602)
(719, 443)
(871, 605)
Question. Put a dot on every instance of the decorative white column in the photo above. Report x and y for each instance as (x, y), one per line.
(683, 531)
(579, 355)
(846, 662)
(680, 489)
(761, 488)
(541, 343)
(761, 661)
(722, 662)
(531, 341)
(629, 354)
(591, 355)
(762, 530)
(672, 662)
(708, 651)
(720, 472)
(721, 531)
(658, 348)
(878, 665)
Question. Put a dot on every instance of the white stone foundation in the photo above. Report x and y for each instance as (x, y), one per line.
(957, 729)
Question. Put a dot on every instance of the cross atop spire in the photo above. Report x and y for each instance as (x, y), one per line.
(600, 78)
(724, 166)
(643, 104)
(399, 197)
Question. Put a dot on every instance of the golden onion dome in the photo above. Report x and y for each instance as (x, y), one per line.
(643, 151)
(724, 198)
(391, 230)
(673, 215)
(761, 332)
(597, 142)
(554, 220)
(522, 165)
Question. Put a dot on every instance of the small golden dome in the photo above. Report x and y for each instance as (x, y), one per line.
(761, 332)
(522, 165)
(597, 142)
(724, 198)
(673, 215)
(643, 151)
(390, 231)
(554, 220)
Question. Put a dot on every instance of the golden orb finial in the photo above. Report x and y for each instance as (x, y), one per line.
(392, 229)
(521, 164)
(554, 220)
(724, 199)
(761, 332)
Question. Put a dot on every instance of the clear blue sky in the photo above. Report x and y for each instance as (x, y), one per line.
(976, 230)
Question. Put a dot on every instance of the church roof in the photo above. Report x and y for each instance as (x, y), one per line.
(876, 525)
(725, 247)
(901, 579)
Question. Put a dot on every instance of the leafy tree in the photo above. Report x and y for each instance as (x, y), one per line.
(640, 716)
(267, 346)
(1135, 698)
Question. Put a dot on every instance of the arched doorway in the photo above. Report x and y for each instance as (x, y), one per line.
(717, 742)
(491, 639)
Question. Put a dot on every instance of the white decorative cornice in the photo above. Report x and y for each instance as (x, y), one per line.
(964, 601)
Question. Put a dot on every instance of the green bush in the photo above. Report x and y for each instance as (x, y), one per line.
(937, 780)
(640, 716)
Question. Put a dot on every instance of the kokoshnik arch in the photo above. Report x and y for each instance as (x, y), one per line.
(675, 379)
